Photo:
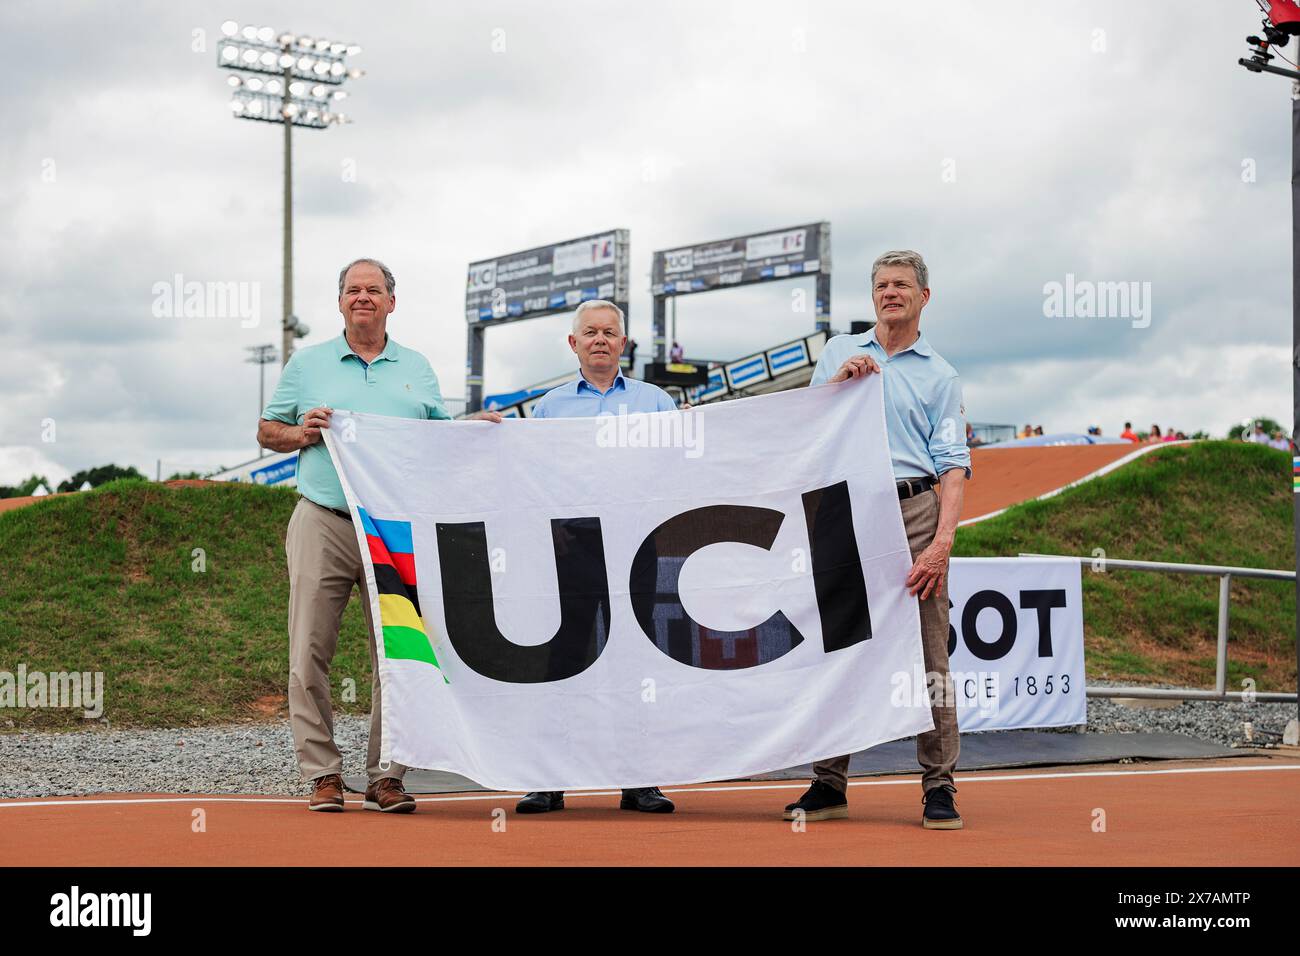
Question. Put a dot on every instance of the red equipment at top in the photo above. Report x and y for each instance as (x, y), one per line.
(1284, 14)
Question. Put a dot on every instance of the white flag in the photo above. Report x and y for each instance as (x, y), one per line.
(636, 600)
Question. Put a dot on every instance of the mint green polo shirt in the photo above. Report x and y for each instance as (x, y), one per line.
(399, 382)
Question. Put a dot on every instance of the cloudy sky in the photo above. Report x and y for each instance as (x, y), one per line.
(1013, 143)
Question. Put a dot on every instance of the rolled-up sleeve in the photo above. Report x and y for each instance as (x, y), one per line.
(283, 406)
(948, 431)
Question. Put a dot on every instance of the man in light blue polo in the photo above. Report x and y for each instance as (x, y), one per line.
(366, 371)
(926, 429)
(598, 339)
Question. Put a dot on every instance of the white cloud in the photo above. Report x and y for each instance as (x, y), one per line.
(17, 464)
(1116, 165)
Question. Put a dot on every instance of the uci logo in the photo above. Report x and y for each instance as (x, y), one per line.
(482, 276)
(679, 261)
(583, 584)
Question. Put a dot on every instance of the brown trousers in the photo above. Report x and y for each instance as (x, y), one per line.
(324, 565)
(936, 750)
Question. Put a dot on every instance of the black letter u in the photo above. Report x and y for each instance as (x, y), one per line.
(471, 617)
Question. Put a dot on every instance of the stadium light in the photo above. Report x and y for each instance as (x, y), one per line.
(293, 80)
(1282, 21)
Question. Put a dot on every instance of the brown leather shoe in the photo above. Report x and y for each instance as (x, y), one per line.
(388, 796)
(327, 794)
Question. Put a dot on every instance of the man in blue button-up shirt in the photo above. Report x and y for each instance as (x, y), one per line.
(598, 339)
(600, 388)
(926, 429)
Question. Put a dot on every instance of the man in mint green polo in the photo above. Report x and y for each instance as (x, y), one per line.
(366, 371)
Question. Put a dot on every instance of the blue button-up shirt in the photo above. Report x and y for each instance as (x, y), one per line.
(399, 382)
(581, 399)
(924, 419)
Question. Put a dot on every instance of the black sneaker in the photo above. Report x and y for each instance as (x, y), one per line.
(940, 813)
(820, 802)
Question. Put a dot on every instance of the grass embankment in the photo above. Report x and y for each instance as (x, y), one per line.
(1208, 503)
(108, 581)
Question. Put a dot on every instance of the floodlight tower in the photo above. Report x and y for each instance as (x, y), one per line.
(294, 81)
(1282, 21)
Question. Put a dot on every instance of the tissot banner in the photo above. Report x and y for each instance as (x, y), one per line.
(1015, 643)
(636, 600)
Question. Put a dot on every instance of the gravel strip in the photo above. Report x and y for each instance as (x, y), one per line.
(227, 758)
(259, 758)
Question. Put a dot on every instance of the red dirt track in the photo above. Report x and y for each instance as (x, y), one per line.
(1241, 810)
(1001, 477)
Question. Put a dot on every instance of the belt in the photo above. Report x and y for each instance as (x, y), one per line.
(341, 514)
(907, 487)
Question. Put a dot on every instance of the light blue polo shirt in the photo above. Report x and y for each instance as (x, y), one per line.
(399, 382)
(925, 423)
(581, 399)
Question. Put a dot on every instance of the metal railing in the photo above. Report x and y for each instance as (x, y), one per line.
(1225, 575)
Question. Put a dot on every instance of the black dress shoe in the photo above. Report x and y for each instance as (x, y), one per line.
(647, 800)
(541, 801)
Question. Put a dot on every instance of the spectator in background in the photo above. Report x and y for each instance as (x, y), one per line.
(971, 440)
(630, 352)
(1038, 430)
(1280, 442)
(675, 355)
(1259, 436)
(1155, 434)
(1172, 434)
(1027, 433)
(1128, 434)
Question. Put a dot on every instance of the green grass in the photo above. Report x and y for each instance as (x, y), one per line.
(105, 581)
(1208, 503)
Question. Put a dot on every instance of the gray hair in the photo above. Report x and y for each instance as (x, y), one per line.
(389, 281)
(598, 304)
(903, 257)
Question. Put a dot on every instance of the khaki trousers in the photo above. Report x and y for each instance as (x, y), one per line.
(324, 565)
(936, 750)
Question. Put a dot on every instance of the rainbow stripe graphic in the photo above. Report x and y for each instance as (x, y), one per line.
(1295, 474)
(392, 554)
